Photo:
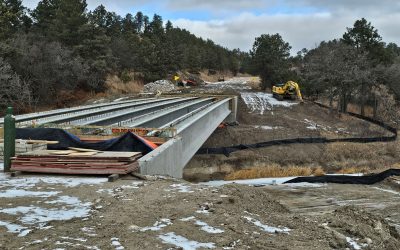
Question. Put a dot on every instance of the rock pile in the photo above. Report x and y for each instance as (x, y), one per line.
(160, 85)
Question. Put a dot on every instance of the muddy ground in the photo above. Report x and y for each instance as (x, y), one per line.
(263, 119)
(172, 214)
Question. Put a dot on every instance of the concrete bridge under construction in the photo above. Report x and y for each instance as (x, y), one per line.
(193, 119)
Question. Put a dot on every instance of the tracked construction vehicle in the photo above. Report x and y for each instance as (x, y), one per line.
(289, 90)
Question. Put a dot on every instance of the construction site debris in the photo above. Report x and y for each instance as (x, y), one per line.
(159, 86)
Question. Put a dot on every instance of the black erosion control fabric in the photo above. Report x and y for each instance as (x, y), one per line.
(129, 142)
(307, 140)
(348, 179)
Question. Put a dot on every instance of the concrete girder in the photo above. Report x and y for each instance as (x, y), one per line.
(161, 117)
(71, 117)
(64, 111)
(121, 115)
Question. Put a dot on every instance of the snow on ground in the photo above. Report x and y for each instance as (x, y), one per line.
(267, 228)
(263, 181)
(235, 84)
(267, 127)
(387, 190)
(14, 228)
(353, 243)
(71, 207)
(314, 126)
(158, 225)
(184, 243)
(259, 102)
(271, 181)
(45, 205)
(204, 226)
(115, 243)
(181, 188)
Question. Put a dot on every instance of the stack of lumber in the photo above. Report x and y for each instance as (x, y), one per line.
(24, 146)
(76, 161)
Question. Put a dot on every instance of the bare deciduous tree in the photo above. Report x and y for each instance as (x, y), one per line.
(14, 91)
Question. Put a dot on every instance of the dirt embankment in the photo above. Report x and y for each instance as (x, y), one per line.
(262, 119)
(168, 213)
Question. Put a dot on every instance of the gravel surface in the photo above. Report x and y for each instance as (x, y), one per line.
(160, 85)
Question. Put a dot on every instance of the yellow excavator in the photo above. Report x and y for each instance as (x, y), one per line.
(289, 90)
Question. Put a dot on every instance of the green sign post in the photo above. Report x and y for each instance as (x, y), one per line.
(9, 138)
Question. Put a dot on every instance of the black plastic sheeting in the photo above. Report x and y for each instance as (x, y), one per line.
(347, 179)
(228, 150)
(129, 142)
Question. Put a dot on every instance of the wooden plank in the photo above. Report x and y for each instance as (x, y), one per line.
(83, 149)
(72, 163)
(60, 152)
(73, 171)
(101, 154)
(83, 154)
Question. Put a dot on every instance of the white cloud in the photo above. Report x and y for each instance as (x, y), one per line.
(301, 31)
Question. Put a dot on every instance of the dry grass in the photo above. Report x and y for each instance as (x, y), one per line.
(318, 171)
(273, 171)
(353, 170)
(116, 86)
(255, 83)
(214, 78)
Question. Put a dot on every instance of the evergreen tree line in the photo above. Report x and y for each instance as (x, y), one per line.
(60, 45)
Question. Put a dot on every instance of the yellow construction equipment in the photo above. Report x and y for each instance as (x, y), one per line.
(288, 90)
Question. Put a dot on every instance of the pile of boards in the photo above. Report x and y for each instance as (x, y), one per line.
(23, 146)
(76, 161)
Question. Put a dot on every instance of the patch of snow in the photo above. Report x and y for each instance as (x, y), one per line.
(314, 126)
(187, 218)
(267, 228)
(207, 228)
(353, 243)
(75, 239)
(116, 244)
(260, 102)
(232, 245)
(29, 182)
(204, 226)
(120, 99)
(32, 215)
(157, 225)
(387, 190)
(13, 193)
(108, 191)
(89, 231)
(266, 127)
(185, 244)
(181, 188)
(202, 211)
(252, 182)
(14, 228)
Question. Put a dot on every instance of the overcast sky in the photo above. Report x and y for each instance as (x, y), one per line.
(235, 23)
